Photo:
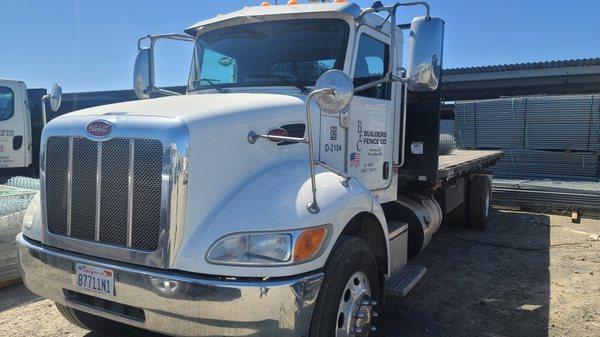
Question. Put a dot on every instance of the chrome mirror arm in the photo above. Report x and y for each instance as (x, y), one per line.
(253, 137)
(334, 92)
(313, 206)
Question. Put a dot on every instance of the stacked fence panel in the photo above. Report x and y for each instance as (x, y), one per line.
(542, 137)
(557, 195)
(561, 123)
(518, 163)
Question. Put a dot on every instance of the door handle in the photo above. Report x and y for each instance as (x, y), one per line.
(386, 170)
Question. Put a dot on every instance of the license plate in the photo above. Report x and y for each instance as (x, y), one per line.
(95, 279)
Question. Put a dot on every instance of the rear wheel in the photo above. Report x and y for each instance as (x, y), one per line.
(480, 199)
(89, 321)
(350, 288)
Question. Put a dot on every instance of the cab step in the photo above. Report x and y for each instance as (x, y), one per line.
(399, 284)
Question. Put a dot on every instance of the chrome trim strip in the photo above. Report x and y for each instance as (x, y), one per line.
(98, 189)
(130, 192)
(69, 186)
(173, 133)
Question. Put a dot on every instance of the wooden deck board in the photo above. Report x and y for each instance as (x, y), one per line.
(461, 161)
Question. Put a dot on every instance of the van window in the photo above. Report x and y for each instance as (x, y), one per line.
(371, 65)
(7, 103)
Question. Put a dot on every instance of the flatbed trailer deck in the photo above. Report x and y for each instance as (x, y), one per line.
(461, 162)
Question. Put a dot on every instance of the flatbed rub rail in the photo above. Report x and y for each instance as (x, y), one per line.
(461, 162)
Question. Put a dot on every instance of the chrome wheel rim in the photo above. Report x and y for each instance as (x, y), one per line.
(355, 311)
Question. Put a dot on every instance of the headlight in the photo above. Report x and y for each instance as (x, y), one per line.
(277, 248)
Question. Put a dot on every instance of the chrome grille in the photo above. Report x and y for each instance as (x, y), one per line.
(113, 210)
(146, 196)
(83, 189)
(107, 192)
(57, 167)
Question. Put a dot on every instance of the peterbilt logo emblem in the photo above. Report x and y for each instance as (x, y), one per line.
(99, 128)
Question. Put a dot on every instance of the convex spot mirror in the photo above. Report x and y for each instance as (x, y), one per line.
(339, 97)
(55, 97)
(142, 76)
(425, 49)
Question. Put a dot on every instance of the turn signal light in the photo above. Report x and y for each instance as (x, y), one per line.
(340, 1)
(309, 243)
(292, 2)
(265, 4)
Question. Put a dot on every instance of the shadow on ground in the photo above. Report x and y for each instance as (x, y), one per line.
(16, 296)
(479, 283)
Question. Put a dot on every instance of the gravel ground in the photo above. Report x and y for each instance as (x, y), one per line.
(504, 281)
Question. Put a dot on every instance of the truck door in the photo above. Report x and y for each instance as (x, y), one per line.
(370, 140)
(14, 134)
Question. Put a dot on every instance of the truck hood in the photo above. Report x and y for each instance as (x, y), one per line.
(190, 108)
(220, 161)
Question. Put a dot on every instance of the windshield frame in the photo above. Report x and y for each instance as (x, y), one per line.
(301, 84)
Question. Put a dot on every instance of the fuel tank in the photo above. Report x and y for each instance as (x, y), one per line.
(423, 215)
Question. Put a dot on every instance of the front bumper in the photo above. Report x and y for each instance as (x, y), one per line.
(176, 303)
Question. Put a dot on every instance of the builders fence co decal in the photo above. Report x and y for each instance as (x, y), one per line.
(375, 137)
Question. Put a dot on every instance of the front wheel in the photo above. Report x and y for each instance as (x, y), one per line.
(349, 292)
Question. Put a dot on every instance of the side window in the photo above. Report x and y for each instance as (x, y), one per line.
(7, 103)
(371, 65)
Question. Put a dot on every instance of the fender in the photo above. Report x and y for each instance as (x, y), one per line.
(276, 200)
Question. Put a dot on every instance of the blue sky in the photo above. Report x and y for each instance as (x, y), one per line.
(91, 45)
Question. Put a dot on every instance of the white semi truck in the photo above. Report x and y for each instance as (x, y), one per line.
(283, 195)
(22, 117)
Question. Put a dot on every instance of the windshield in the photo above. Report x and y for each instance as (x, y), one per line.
(292, 52)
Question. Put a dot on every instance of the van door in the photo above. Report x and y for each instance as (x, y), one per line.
(14, 136)
(371, 124)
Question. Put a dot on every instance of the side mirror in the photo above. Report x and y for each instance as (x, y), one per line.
(143, 72)
(55, 97)
(425, 49)
(340, 93)
(143, 80)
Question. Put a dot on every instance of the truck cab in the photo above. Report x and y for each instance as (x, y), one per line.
(15, 126)
(283, 195)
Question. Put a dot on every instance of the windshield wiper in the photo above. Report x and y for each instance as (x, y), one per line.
(212, 84)
(288, 79)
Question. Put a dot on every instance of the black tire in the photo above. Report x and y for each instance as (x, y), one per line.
(351, 255)
(89, 321)
(480, 199)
